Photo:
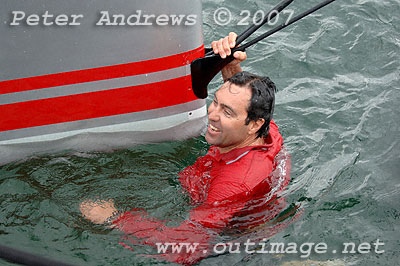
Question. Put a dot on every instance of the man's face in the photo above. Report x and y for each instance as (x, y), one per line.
(227, 115)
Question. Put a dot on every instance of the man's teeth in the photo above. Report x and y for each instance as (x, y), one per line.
(213, 128)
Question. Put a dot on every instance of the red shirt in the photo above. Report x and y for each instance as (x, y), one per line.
(221, 185)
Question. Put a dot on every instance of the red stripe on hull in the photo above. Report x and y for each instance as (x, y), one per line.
(100, 73)
(96, 104)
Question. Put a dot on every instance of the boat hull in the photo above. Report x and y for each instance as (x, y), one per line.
(96, 87)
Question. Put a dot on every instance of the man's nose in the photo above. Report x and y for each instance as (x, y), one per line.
(212, 113)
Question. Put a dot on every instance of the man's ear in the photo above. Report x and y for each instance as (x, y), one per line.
(255, 126)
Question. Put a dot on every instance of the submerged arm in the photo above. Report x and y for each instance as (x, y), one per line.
(201, 229)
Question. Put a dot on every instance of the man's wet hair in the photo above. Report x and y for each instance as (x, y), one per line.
(262, 98)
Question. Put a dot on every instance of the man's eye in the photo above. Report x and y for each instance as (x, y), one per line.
(227, 113)
(215, 102)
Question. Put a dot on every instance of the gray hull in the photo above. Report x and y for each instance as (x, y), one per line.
(91, 75)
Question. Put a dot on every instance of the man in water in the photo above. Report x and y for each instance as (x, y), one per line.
(236, 169)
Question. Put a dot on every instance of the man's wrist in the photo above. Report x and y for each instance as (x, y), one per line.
(229, 71)
(110, 220)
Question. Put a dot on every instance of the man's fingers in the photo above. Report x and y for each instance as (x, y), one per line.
(85, 206)
(221, 49)
(232, 39)
(214, 47)
(240, 56)
(226, 45)
(97, 211)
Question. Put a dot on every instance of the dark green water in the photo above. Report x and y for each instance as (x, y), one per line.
(338, 76)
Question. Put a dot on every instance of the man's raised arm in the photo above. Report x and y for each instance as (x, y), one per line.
(223, 47)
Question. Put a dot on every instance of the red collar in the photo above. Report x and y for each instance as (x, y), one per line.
(236, 154)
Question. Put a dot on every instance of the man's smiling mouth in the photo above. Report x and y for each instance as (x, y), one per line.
(214, 128)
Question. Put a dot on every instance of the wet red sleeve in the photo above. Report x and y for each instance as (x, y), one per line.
(205, 221)
(141, 228)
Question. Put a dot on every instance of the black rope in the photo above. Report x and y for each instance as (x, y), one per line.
(270, 15)
(253, 28)
(284, 25)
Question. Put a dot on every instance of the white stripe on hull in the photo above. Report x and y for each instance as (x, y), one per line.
(154, 124)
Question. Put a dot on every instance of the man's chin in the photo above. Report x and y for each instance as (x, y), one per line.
(210, 140)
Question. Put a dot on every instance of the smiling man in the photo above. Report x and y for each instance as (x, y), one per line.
(224, 184)
(240, 113)
(244, 139)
